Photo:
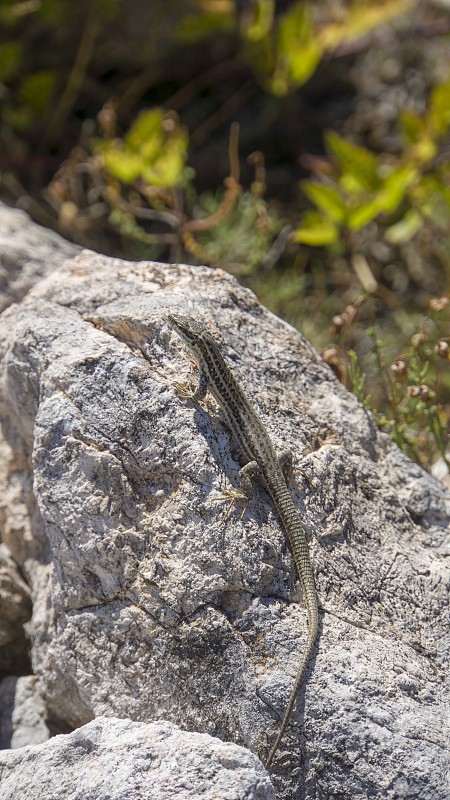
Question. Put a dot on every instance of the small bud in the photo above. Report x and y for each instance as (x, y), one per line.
(170, 123)
(398, 368)
(333, 357)
(442, 349)
(418, 391)
(438, 303)
(106, 119)
(68, 214)
(350, 314)
(418, 339)
(338, 323)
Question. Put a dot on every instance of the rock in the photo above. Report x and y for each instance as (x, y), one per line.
(115, 759)
(151, 600)
(22, 713)
(28, 252)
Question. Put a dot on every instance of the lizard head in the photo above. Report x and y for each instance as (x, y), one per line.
(191, 330)
(199, 340)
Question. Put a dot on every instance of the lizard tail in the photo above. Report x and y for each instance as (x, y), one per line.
(313, 627)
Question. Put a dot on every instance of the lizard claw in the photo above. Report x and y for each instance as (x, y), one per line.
(231, 496)
(183, 390)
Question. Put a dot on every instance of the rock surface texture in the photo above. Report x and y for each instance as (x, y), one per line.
(28, 253)
(154, 601)
(116, 759)
(22, 713)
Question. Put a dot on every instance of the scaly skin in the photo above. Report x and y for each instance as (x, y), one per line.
(261, 461)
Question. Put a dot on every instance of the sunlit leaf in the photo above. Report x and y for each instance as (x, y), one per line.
(124, 166)
(432, 196)
(405, 229)
(299, 51)
(359, 20)
(150, 150)
(364, 213)
(412, 126)
(261, 20)
(146, 130)
(166, 171)
(327, 198)
(358, 162)
(386, 200)
(396, 185)
(439, 113)
(316, 230)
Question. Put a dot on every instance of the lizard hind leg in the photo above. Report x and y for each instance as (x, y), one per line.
(286, 462)
(195, 388)
(245, 492)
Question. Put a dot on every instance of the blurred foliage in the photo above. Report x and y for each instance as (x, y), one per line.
(242, 237)
(409, 390)
(286, 48)
(358, 187)
(204, 130)
(154, 150)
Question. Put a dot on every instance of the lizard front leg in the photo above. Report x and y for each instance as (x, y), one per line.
(286, 462)
(185, 389)
(245, 491)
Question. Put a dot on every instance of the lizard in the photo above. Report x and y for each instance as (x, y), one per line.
(261, 461)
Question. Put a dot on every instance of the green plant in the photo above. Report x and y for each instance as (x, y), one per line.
(154, 150)
(145, 189)
(403, 192)
(285, 48)
(408, 392)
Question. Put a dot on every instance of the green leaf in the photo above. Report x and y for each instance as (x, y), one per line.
(432, 196)
(359, 19)
(387, 200)
(37, 90)
(395, 186)
(166, 171)
(364, 213)
(327, 198)
(10, 56)
(316, 230)
(146, 132)
(259, 26)
(298, 47)
(150, 150)
(439, 113)
(125, 166)
(356, 161)
(405, 229)
(412, 126)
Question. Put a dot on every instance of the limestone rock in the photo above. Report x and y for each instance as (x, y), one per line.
(115, 759)
(22, 713)
(28, 252)
(151, 600)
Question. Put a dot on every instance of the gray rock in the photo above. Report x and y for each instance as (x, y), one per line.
(28, 252)
(22, 713)
(115, 759)
(154, 601)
